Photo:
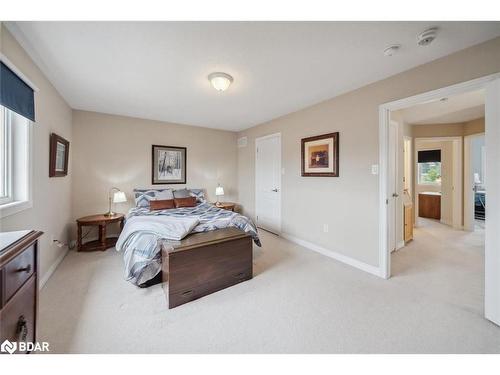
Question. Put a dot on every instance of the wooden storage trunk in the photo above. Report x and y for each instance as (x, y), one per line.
(204, 263)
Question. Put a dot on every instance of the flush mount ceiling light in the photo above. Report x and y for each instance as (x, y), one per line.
(391, 50)
(220, 81)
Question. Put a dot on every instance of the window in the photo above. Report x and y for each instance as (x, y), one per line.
(15, 168)
(429, 173)
(5, 180)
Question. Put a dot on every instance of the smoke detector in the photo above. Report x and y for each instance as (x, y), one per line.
(427, 37)
(391, 50)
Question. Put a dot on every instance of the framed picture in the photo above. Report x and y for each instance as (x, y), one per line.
(169, 165)
(59, 155)
(320, 156)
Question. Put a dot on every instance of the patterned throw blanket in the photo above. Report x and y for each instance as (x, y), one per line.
(142, 249)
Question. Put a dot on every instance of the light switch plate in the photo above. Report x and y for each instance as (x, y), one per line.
(375, 169)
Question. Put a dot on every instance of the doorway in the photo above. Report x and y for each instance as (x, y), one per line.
(268, 182)
(474, 182)
(491, 87)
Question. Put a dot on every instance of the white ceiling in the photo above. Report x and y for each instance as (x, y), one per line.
(158, 70)
(459, 108)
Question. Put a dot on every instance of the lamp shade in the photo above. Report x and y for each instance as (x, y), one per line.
(219, 190)
(119, 197)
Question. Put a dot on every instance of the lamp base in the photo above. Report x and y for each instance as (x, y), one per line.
(109, 214)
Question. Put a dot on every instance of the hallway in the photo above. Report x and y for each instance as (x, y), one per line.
(446, 264)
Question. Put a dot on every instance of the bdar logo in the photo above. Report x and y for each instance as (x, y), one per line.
(8, 347)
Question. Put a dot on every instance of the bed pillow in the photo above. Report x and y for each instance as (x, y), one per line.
(143, 196)
(182, 193)
(161, 204)
(185, 202)
(199, 194)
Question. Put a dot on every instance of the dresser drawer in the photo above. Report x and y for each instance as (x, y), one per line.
(17, 271)
(18, 315)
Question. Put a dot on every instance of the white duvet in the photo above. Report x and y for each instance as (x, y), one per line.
(143, 233)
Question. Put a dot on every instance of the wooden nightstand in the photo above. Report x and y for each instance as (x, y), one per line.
(226, 205)
(102, 221)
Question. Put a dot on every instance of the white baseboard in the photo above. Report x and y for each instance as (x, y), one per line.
(400, 245)
(332, 254)
(51, 270)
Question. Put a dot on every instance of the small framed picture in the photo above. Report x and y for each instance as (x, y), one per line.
(59, 155)
(169, 165)
(320, 156)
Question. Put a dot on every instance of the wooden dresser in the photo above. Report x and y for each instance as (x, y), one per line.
(18, 285)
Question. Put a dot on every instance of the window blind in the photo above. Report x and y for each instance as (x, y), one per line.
(429, 156)
(15, 94)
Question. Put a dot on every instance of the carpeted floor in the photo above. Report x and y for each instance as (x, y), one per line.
(298, 302)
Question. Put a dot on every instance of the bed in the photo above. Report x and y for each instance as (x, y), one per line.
(146, 231)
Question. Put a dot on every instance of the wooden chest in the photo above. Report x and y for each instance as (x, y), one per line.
(204, 263)
(18, 286)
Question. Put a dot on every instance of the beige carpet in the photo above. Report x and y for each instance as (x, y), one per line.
(298, 302)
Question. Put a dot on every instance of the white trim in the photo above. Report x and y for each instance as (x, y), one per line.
(334, 255)
(18, 72)
(20, 205)
(14, 207)
(52, 269)
(492, 237)
(400, 245)
(384, 254)
(430, 96)
(256, 141)
(469, 182)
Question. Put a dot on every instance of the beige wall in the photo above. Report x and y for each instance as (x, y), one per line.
(113, 150)
(349, 203)
(448, 130)
(51, 212)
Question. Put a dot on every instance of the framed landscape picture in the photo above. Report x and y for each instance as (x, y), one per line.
(320, 156)
(59, 155)
(169, 165)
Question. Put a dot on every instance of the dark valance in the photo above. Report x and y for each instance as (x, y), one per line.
(15, 94)
(429, 156)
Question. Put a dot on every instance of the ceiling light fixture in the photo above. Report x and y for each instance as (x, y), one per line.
(220, 81)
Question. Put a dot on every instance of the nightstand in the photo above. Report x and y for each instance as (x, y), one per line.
(226, 205)
(102, 221)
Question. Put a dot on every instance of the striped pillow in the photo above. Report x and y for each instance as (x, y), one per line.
(143, 196)
(199, 194)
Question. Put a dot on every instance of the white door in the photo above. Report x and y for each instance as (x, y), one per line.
(392, 187)
(268, 182)
(492, 172)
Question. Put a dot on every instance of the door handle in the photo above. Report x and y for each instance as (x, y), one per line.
(395, 195)
(275, 190)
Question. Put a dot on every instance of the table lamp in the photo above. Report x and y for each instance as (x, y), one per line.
(219, 191)
(118, 197)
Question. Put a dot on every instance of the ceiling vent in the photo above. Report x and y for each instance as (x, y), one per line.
(427, 37)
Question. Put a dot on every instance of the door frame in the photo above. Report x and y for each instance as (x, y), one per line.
(491, 85)
(393, 229)
(257, 140)
(456, 201)
(468, 183)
